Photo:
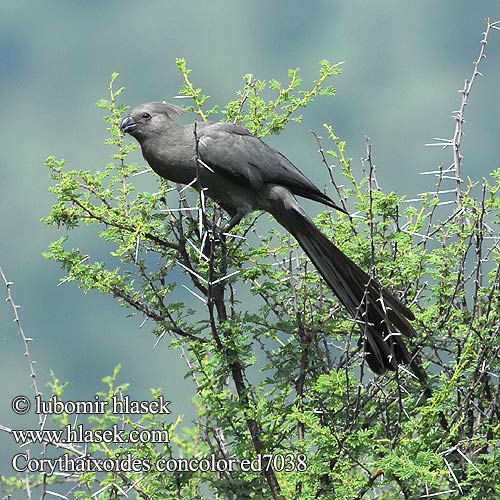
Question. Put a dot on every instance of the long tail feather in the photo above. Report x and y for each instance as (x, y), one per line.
(383, 317)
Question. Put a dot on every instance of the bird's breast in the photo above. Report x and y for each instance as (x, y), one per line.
(174, 163)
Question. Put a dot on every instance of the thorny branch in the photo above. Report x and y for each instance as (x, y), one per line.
(459, 116)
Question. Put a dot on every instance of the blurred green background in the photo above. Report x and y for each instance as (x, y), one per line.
(404, 63)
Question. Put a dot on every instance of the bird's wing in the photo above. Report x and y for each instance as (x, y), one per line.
(233, 150)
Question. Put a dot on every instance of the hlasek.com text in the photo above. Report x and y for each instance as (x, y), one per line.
(74, 461)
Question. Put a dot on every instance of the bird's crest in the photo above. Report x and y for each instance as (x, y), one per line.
(171, 110)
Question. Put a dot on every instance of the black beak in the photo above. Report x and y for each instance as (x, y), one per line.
(128, 125)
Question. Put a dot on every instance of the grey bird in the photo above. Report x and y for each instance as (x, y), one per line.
(243, 174)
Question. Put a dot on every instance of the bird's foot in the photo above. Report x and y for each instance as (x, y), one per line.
(215, 236)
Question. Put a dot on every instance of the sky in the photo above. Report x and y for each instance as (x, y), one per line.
(403, 68)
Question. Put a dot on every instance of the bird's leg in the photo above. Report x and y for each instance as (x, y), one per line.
(234, 221)
(219, 234)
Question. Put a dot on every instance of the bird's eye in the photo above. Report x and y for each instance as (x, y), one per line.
(146, 116)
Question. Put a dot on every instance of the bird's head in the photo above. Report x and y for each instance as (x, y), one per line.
(149, 119)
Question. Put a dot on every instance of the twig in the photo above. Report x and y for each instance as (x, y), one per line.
(26, 340)
(459, 115)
